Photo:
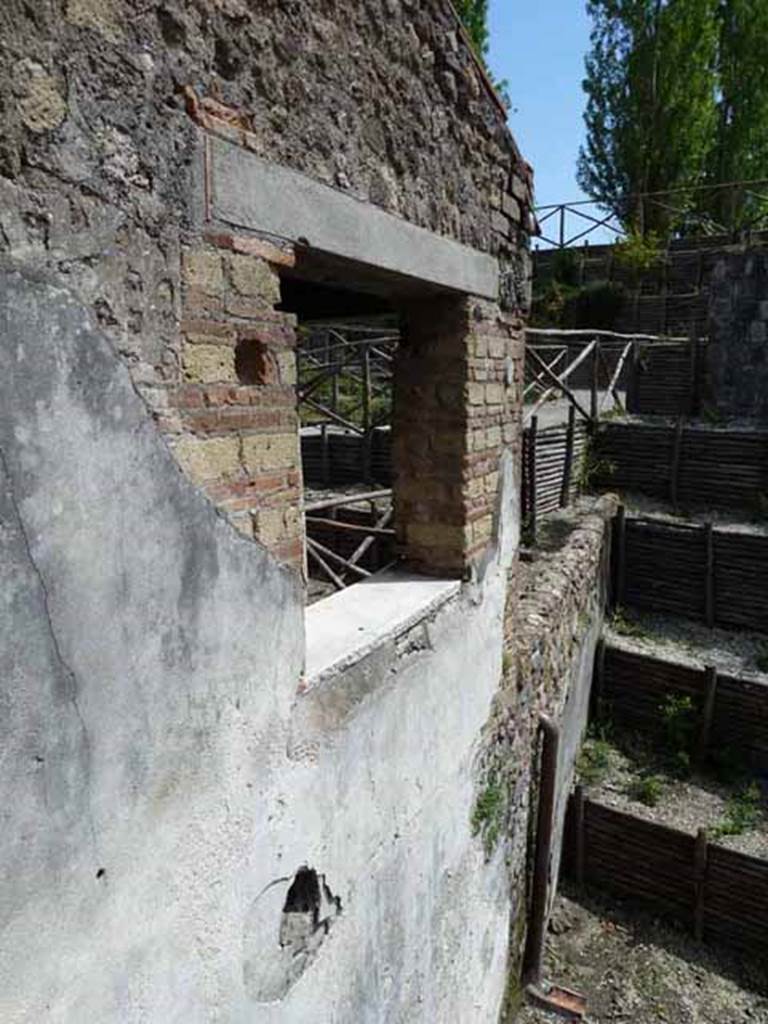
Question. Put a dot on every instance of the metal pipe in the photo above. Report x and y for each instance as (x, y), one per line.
(534, 949)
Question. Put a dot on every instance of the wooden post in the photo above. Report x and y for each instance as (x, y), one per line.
(325, 455)
(534, 952)
(365, 369)
(633, 384)
(593, 407)
(578, 819)
(565, 490)
(699, 882)
(598, 681)
(707, 714)
(694, 405)
(709, 584)
(334, 379)
(532, 489)
(674, 476)
(620, 539)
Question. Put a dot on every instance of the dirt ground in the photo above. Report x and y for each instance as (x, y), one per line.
(634, 969)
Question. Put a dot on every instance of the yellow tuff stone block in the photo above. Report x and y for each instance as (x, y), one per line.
(208, 458)
(270, 451)
(253, 277)
(204, 271)
(208, 364)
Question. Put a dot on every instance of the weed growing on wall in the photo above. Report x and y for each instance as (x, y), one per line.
(489, 812)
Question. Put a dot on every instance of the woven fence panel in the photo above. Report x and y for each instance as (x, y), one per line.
(634, 688)
(656, 865)
(666, 570)
(717, 468)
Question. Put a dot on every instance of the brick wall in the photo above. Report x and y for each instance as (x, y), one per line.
(457, 404)
(232, 416)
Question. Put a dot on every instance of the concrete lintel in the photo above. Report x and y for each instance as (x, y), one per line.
(248, 192)
(344, 628)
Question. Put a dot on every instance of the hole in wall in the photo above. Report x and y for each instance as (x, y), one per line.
(304, 910)
(254, 364)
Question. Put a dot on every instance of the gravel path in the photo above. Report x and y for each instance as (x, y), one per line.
(635, 970)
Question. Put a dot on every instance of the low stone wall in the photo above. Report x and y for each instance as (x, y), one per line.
(549, 652)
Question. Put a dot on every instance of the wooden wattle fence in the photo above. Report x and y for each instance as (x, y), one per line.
(729, 713)
(702, 572)
(688, 466)
(552, 461)
(716, 893)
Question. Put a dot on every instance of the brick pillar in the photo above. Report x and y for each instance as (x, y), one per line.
(233, 415)
(457, 404)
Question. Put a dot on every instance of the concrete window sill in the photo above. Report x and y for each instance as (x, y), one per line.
(344, 628)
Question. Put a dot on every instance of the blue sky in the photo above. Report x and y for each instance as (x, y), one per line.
(539, 48)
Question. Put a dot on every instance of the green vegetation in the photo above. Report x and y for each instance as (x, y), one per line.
(648, 789)
(761, 656)
(594, 760)
(651, 105)
(593, 469)
(474, 14)
(638, 252)
(678, 715)
(623, 624)
(560, 301)
(742, 813)
(489, 812)
(677, 96)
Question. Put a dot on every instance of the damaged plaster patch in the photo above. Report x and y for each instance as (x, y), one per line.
(299, 913)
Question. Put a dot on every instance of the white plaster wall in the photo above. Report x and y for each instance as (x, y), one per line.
(161, 779)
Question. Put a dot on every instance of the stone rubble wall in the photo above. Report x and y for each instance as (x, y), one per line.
(555, 610)
(103, 106)
(738, 353)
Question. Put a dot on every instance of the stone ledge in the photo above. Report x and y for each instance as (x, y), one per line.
(346, 627)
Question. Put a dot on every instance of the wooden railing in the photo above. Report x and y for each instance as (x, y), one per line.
(361, 536)
(690, 211)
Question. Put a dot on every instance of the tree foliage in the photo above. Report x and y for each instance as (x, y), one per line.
(474, 14)
(651, 105)
(739, 150)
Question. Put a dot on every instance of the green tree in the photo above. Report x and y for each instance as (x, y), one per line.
(739, 150)
(650, 115)
(474, 14)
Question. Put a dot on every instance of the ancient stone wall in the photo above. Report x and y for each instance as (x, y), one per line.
(738, 351)
(105, 106)
(555, 609)
(164, 803)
